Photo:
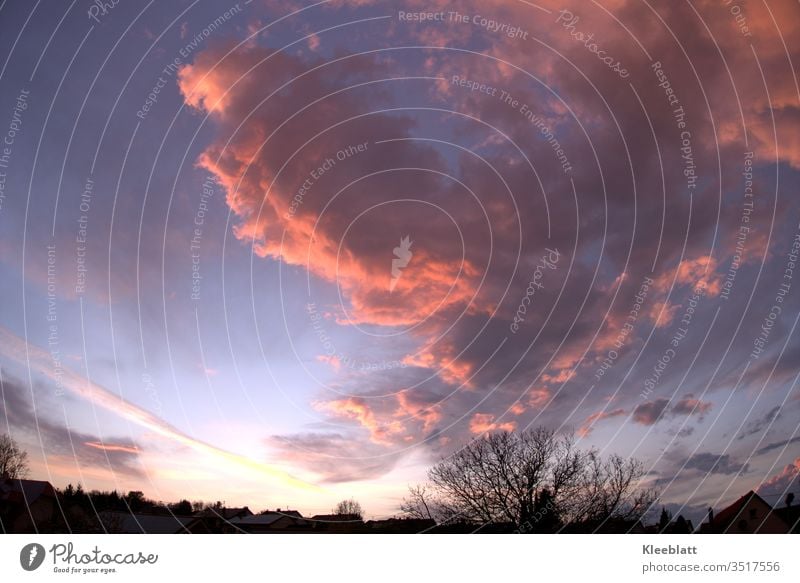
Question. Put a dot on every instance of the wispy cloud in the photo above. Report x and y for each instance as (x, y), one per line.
(15, 348)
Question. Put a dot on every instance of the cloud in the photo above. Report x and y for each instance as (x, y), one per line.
(458, 295)
(301, 209)
(38, 360)
(332, 456)
(359, 410)
(715, 464)
(787, 480)
(650, 412)
(588, 425)
(119, 455)
(691, 406)
(412, 404)
(485, 423)
(777, 445)
(757, 426)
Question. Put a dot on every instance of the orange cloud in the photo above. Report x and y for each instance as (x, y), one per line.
(112, 447)
(484, 423)
(430, 415)
(441, 357)
(560, 376)
(663, 313)
(517, 409)
(334, 361)
(697, 272)
(537, 398)
(356, 408)
(296, 183)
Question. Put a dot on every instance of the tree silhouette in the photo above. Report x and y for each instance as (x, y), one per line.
(182, 508)
(423, 503)
(13, 459)
(135, 500)
(349, 508)
(534, 479)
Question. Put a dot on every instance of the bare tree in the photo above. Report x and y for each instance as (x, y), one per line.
(530, 478)
(349, 508)
(608, 491)
(13, 460)
(422, 503)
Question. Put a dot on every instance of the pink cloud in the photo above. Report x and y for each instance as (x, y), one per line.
(784, 481)
(286, 213)
(429, 414)
(485, 423)
(357, 409)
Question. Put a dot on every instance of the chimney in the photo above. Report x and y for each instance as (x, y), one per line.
(710, 515)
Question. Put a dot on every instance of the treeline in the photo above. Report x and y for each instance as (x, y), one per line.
(82, 511)
(134, 501)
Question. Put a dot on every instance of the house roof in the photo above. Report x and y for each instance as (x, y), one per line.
(261, 519)
(226, 513)
(128, 523)
(337, 518)
(267, 519)
(727, 515)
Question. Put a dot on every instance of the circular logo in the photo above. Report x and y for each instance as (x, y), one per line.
(31, 556)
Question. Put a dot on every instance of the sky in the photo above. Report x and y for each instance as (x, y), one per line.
(283, 253)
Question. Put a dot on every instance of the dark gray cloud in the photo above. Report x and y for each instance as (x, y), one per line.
(715, 464)
(759, 425)
(777, 445)
(651, 412)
